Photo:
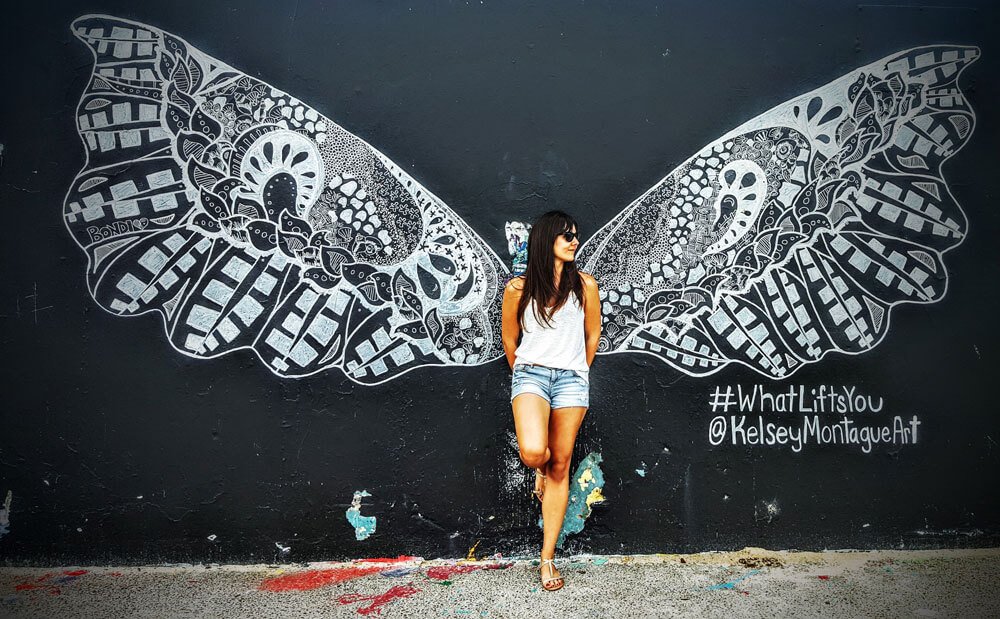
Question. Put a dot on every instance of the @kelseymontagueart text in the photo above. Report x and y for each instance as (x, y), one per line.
(800, 415)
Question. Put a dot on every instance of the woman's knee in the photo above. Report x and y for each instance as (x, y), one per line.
(532, 456)
(558, 467)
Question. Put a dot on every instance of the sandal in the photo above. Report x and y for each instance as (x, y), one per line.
(539, 490)
(546, 581)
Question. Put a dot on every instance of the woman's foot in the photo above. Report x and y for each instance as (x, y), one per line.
(539, 490)
(551, 580)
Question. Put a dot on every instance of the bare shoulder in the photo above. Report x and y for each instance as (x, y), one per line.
(589, 281)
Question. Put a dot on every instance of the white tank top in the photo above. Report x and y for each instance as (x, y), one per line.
(562, 345)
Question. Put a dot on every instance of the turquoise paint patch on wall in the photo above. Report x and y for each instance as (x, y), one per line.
(584, 490)
(363, 525)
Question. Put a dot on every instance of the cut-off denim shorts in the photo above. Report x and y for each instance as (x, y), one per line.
(562, 388)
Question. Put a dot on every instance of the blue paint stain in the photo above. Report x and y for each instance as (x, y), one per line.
(586, 482)
(640, 472)
(363, 525)
(732, 583)
(399, 571)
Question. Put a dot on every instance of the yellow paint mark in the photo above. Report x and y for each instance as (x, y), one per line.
(595, 497)
(586, 476)
(472, 551)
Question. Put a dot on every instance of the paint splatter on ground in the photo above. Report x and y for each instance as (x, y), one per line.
(363, 525)
(731, 585)
(951, 583)
(444, 572)
(378, 601)
(49, 583)
(314, 579)
(399, 571)
(584, 490)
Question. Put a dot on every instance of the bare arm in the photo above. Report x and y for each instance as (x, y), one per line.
(510, 329)
(591, 315)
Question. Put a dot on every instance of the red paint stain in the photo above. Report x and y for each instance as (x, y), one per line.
(116, 574)
(399, 559)
(443, 572)
(314, 579)
(75, 573)
(378, 601)
(824, 577)
(31, 586)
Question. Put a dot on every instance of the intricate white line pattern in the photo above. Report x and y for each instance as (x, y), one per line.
(248, 220)
(795, 234)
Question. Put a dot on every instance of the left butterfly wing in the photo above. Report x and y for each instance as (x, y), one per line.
(248, 220)
(795, 234)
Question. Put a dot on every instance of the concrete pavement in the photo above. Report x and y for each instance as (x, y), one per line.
(748, 583)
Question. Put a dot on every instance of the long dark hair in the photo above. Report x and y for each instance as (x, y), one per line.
(538, 277)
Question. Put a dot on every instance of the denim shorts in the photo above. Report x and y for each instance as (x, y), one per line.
(561, 388)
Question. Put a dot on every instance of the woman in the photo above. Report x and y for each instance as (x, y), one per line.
(557, 310)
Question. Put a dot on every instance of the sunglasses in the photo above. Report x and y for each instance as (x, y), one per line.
(569, 236)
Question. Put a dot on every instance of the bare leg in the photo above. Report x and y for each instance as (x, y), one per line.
(531, 423)
(563, 426)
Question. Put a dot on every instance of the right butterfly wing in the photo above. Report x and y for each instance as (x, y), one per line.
(795, 234)
(248, 220)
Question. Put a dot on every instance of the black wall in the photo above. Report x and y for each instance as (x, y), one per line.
(114, 447)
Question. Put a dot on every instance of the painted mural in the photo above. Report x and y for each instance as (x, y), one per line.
(247, 220)
(795, 234)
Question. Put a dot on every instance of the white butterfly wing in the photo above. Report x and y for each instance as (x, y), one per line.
(795, 234)
(249, 220)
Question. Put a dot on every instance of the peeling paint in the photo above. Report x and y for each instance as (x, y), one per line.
(5, 511)
(583, 493)
(517, 245)
(363, 525)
